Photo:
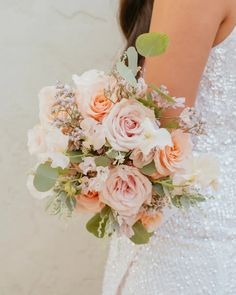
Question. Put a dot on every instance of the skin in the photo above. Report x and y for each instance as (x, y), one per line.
(194, 27)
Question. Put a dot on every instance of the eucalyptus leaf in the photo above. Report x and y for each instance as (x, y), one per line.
(149, 169)
(151, 104)
(102, 161)
(75, 157)
(126, 73)
(132, 59)
(141, 235)
(176, 201)
(167, 97)
(185, 202)
(70, 203)
(152, 44)
(158, 188)
(112, 154)
(45, 177)
(173, 124)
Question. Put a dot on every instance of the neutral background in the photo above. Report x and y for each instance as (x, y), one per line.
(42, 41)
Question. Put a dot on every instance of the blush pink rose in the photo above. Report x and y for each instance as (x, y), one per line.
(89, 202)
(126, 190)
(123, 125)
(170, 159)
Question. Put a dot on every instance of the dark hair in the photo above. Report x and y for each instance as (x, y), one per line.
(135, 18)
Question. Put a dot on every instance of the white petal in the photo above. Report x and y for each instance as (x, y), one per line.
(59, 160)
(163, 138)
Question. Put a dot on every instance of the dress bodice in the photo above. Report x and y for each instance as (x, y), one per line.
(217, 98)
(192, 253)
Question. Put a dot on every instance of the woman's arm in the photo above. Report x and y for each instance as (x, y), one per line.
(192, 27)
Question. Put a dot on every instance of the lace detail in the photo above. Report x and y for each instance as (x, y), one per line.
(192, 253)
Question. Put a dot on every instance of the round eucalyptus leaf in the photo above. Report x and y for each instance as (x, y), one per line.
(45, 177)
(152, 44)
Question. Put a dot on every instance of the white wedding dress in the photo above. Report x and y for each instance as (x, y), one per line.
(192, 253)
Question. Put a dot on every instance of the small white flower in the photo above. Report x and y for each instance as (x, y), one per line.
(96, 183)
(120, 158)
(179, 102)
(87, 165)
(94, 133)
(153, 136)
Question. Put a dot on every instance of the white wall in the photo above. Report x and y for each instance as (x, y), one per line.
(42, 41)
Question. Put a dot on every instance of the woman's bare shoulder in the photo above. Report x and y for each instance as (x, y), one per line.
(192, 26)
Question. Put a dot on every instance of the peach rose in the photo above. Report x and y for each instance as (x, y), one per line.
(89, 202)
(170, 159)
(151, 221)
(123, 125)
(92, 101)
(126, 190)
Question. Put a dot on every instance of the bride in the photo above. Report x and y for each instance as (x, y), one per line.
(188, 255)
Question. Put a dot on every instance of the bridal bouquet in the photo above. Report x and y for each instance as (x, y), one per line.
(104, 146)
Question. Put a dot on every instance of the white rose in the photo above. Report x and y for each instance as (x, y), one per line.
(49, 144)
(47, 98)
(36, 140)
(202, 170)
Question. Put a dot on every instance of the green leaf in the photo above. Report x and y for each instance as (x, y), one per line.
(151, 104)
(70, 203)
(75, 157)
(93, 224)
(126, 73)
(185, 202)
(149, 97)
(45, 177)
(176, 201)
(105, 212)
(132, 59)
(102, 161)
(173, 124)
(152, 44)
(97, 224)
(141, 235)
(158, 188)
(167, 97)
(112, 154)
(149, 169)
(62, 171)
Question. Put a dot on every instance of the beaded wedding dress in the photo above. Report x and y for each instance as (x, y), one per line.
(192, 253)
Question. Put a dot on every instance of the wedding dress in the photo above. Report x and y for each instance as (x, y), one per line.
(192, 253)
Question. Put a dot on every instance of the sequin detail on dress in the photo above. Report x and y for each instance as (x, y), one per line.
(192, 253)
